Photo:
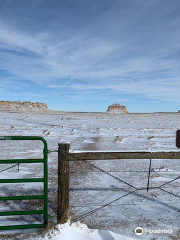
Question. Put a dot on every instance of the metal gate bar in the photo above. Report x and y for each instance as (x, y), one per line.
(44, 212)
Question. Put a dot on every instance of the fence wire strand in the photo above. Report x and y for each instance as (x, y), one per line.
(10, 168)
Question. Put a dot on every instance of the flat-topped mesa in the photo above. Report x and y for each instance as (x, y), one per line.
(22, 106)
(117, 109)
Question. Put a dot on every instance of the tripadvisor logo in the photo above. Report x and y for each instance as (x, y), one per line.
(139, 231)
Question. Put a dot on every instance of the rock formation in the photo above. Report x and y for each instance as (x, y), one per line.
(22, 106)
(117, 109)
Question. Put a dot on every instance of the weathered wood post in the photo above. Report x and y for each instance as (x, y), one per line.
(63, 182)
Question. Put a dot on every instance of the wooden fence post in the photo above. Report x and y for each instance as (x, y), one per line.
(63, 183)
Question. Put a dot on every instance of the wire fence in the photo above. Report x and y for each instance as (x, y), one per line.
(110, 173)
(135, 188)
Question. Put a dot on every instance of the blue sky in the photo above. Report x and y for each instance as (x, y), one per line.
(82, 55)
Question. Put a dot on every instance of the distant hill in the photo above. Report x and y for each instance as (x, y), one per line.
(117, 109)
(23, 106)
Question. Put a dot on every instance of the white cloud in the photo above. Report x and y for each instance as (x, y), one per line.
(12, 39)
(165, 89)
(123, 50)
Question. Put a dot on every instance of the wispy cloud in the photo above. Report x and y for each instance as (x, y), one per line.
(121, 47)
(164, 89)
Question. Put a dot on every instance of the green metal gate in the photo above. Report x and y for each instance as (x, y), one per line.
(44, 180)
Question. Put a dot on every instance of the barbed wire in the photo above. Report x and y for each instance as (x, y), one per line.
(170, 192)
(104, 171)
(122, 204)
(123, 171)
(101, 207)
(136, 189)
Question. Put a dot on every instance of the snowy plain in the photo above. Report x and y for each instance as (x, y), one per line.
(94, 132)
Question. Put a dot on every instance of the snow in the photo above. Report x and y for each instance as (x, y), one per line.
(96, 132)
(79, 231)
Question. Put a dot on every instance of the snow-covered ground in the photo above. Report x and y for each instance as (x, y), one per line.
(79, 231)
(147, 132)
